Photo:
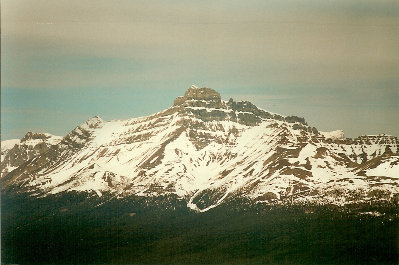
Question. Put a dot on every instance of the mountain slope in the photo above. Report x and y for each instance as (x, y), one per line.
(208, 151)
(15, 152)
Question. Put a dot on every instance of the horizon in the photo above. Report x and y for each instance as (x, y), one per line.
(193, 85)
(336, 64)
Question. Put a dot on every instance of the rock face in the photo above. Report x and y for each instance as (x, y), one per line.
(35, 136)
(200, 97)
(77, 138)
(206, 104)
(31, 145)
(207, 151)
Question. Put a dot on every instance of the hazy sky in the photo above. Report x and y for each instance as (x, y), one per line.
(336, 63)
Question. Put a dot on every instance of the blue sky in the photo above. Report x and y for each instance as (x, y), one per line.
(333, 62)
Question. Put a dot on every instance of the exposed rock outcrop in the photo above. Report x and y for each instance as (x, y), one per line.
(31, 145)
(35, 136)
(200, 97)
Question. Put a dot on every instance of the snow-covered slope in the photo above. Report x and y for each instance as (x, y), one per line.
(207, 151)
(8, 144)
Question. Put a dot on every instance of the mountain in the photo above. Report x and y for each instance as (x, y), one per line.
(16, 152)
(207, 151)
(270, 188)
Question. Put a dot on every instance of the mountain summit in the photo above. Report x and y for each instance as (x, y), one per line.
(200, 97)
(207, 151)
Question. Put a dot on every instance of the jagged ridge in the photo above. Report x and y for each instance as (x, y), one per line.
(208, 151)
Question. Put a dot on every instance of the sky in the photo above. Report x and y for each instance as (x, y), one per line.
(335, 62)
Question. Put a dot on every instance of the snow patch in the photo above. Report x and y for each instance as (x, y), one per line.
(9, 144)
(335, 135)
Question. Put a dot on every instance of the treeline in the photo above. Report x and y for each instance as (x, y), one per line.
(80, 228)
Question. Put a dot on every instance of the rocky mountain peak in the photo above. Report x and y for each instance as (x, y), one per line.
(82, 134)
(203, 93)
(205, 103)
(15, 152)
(94, 122)
(199, 97)
(35, 136)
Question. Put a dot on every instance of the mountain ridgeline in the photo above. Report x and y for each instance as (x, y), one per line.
(207, 151)
(205, 181)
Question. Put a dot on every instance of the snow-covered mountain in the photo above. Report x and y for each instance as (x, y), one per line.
(15, 152)
(207, 151)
